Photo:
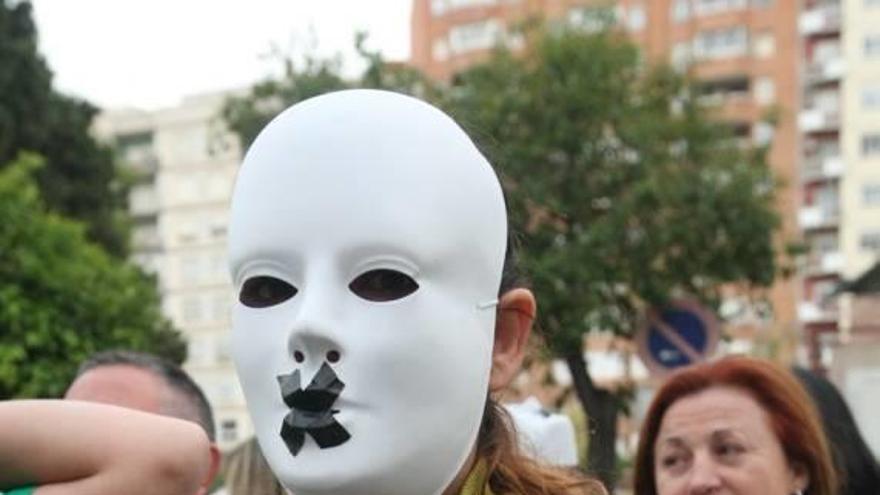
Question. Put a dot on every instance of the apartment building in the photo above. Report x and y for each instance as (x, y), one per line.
(840, 122)
(745, 53)
(184, 163)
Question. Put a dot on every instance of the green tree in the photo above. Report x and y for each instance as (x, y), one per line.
(246, 115)
(629, 192)
(62, 297)
(79, 178)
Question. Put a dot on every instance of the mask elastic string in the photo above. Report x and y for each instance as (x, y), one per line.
(487, 304)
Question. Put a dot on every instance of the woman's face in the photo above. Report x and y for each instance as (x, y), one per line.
(719, 441)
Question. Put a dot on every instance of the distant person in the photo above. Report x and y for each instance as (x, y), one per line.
(52, 447)
(859, 471)
(737, 425)
(547, 436)
(147, 383)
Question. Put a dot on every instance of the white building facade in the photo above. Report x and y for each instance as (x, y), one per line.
(840, 171)
(184, 163)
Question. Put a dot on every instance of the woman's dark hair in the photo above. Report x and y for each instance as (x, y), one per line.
(859, 472)
(510, 471)
(791, 415)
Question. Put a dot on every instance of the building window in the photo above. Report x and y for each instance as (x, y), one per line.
(220, 307)
(710, 7)
(826, 51)
(228, 430)
(474, 36)
(636, 18)
(764, 45)
(440, 7)
(716, 91)
(440, 50)
(681, 10)
(826, 100)
(191, 310)
(681, 55)
(765, 90)
(187, 233)
(200, 351)
(591, 19)
(143, 200)
(191, 271)
(872, 46)
(721, 43)
(871, 194)
(871, 144)
(870, 241)
(224, 353)
(871, 97)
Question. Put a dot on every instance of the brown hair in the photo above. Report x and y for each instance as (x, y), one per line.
(791, 413)
(510, 471)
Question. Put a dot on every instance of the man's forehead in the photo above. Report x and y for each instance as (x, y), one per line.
(121, 385)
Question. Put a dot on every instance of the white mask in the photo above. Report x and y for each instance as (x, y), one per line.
(367, 241)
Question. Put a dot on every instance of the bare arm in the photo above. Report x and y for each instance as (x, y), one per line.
(78, 448)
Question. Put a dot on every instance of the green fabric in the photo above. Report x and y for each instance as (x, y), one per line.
(477, 482)
(20, 491)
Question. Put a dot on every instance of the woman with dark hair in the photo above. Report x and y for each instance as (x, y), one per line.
(859, 472)
(738, 425)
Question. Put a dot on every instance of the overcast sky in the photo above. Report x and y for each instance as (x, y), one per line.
(150, 53)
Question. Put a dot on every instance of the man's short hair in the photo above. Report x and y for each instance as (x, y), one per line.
(189, 402)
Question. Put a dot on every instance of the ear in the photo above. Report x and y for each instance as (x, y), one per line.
(800, 477)
(208, 482)
(513, 325)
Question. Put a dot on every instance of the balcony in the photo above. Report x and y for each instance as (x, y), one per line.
(818, 217)
(818, 168)
(146, 239)
(819, 119)
(827, 70)
(813, 312)
(821, 19)
(825, 263)
(143, 201)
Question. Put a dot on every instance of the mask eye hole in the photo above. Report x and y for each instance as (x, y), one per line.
(263, 291)
(383, 285)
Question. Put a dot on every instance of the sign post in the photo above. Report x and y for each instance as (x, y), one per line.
(680, 334)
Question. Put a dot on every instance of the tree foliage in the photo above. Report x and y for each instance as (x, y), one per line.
(629, 191)
(62, 297)
(79, 178)
(246, 115)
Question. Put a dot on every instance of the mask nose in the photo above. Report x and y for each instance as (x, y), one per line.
(310, 348)
(314, 332)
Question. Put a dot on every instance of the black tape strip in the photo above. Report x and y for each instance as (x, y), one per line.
(311, 410)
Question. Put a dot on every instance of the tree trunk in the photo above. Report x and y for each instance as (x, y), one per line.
(601, 408)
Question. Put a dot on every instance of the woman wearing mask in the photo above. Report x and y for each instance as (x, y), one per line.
(378, 305)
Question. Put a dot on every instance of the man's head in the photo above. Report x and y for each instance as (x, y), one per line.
(147, 383)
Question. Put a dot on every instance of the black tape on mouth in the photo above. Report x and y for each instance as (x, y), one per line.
(311, 411)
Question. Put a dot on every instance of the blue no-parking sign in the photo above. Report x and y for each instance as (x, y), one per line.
(683, 333)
